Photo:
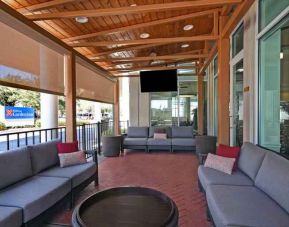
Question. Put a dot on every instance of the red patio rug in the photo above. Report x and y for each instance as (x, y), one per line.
(173, 174)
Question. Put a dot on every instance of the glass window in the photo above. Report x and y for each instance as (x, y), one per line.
(237, 40)
(216, 65)
(269, 9)
(274, 89)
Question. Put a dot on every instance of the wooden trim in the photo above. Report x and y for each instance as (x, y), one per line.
(151, 68)
(132, 10)
(165, 57)
(238, 14)
(212, 53)
(200, 104)
(116, 109)
(44, 5)
(142, 25)
(146, 41)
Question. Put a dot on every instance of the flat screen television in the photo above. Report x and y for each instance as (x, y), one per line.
(159, 81)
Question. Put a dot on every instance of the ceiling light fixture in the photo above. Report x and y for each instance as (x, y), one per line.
(185, 45)
(81, 20)
(132, 5)
(240, 70)
(188, 27)
(281, 55)
(144, 35)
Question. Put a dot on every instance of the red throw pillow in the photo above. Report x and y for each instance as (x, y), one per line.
(229, 152)
(67, 147)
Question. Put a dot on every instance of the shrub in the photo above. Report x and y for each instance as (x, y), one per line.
(2, 126)
(37, 123)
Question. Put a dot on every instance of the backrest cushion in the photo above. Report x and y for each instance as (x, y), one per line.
(273, 179)
(44, 155)
(167, 130)
(15, 165)
(138, 132)
(182, 132)
(250, 160)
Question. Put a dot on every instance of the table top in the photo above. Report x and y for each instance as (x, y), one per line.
(126, 207)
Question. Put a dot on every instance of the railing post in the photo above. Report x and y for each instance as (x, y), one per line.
(84, 137)
(98, 137)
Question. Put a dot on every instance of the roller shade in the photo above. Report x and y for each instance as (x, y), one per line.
(25, 62)
(92, 86)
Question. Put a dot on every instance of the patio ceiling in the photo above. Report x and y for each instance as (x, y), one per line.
(111, 37)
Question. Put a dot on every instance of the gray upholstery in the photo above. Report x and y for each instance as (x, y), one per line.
(44, 155)
(15, 165)
(10, 216)
(273, 179)
(77, 173)
(35, 194)
(138, 132)
(183, 132)
(244, 206)
(159, 142)
(251, 157)
(168, 131)
(209, 176)
(183, 142)
(135, 141)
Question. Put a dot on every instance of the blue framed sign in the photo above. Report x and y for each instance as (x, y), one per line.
(12, 112)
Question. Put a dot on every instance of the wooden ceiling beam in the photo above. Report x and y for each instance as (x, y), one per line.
(238, 14)
(44, 5)
(133, 10)
(147, 41)
(149, 68)
(154, 58)
(212, 53)
(142, 25)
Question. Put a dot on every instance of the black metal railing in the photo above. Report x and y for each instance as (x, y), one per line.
(88, 135)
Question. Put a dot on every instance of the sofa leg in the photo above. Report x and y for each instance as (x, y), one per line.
(71, 203)
(200, 186)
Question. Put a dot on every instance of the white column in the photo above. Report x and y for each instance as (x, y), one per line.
(49, 110)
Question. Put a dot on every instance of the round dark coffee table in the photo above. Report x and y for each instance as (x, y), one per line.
(126, 207)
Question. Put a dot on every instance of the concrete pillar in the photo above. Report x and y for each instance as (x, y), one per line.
(70, 97)
(49, 110)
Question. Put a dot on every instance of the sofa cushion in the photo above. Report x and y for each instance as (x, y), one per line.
(183, 132)
(44, 155)
(35, 194)
(135, 141)
(251, 157)
(137, 132)
(185, 142)
(71, 159)
(220, 163)
(209, 176)
(168, 130)
(77, 174)
(229, 152)
(244, 206)
(273, 179)
(159, 142)
(15, 165)
(67, 147)
(10, 216)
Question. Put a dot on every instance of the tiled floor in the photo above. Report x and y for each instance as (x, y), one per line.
(173, 174)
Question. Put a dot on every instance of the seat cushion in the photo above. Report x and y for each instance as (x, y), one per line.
(244, 206)
(135, 141)
(77, 174)
(168, 131)
(183, 132)
(186, 142)
(159, 142)
(209, 176)
(251, 157)
(44, 155)
(35, 194)
(10, 216)
(273, 179)
(15, 165)
(138, 132)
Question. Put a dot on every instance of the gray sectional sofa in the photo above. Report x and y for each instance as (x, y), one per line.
(178, 138)
(257, 194)
(33, 184)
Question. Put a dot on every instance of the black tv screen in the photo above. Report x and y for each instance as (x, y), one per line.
(159, 81)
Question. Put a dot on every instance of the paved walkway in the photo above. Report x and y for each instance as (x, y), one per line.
(173, 174)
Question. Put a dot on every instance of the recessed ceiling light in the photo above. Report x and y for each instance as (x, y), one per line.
(132, 5)
(81, 20)
(144, 35)
(188, 27)
(185, 45)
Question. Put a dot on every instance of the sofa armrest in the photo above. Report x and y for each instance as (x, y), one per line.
(92, 153)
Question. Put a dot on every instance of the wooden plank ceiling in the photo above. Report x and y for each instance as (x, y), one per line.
(111, 37)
